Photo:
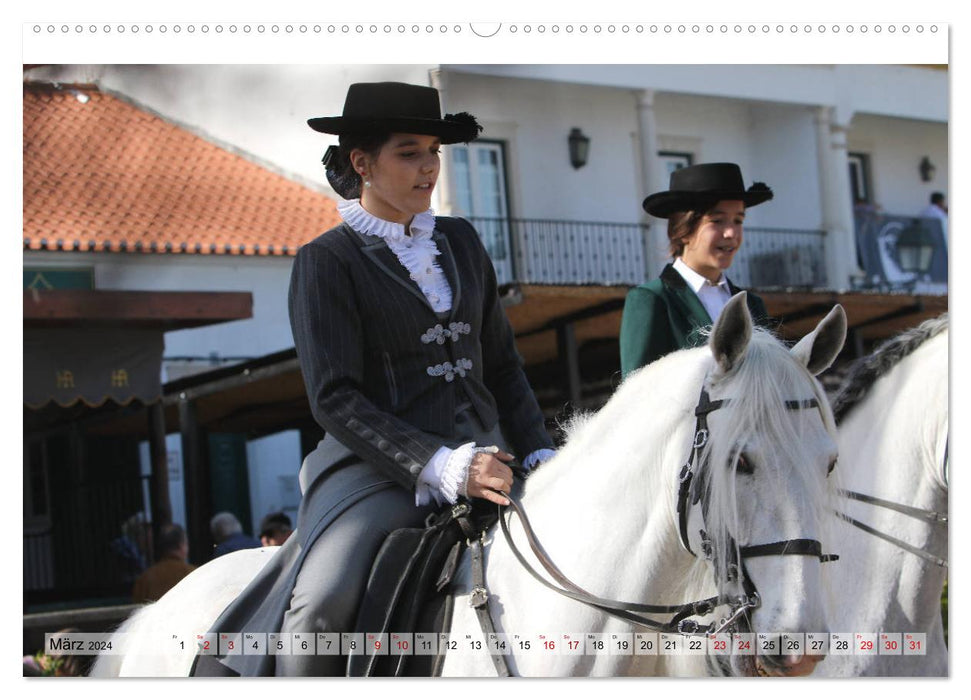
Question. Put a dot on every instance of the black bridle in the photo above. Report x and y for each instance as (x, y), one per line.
(735, 568)
(681, 620)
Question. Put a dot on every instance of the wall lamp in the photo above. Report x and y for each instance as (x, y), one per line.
(579, 147)
(927, 169)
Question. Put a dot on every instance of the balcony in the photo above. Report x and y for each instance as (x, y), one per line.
(781, 258)
(549, 251)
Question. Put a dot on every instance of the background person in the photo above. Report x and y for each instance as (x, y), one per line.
(172, 566)
(705, 208)
(227, 533)
(131, 551)
(275, 528)
(937, 209)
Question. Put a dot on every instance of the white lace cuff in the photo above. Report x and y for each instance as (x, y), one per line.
(445, 475)
(538, 457)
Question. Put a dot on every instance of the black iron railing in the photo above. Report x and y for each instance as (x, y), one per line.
(75, 555)
(550, 251)
(775, 257)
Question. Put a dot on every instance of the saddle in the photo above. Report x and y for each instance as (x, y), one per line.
(408, 590)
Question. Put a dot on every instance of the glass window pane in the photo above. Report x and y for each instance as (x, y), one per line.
(490, 183)
(462, 177)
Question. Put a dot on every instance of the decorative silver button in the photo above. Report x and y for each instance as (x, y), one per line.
(439, 334)
(449, 371)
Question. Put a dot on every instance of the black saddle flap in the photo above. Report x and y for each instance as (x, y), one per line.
(408, 586)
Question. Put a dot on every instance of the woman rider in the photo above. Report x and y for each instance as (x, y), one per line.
(409, 363)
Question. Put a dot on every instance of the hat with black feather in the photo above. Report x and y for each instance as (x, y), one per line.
(699, 187)
(397, 107)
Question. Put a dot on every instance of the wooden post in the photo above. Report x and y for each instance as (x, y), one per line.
(856, 341)
(159, 482)
(196, 469)
(566, 342)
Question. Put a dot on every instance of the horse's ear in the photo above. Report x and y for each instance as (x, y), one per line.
(818, 349)
(732, 332)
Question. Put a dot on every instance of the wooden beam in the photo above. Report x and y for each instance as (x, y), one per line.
(167, 310)
(601, 309)
(241, 376)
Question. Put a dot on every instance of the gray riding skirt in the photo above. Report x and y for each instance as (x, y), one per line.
(315, 581)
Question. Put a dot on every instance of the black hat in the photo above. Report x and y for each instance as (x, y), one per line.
(698, 187)
(397, 107)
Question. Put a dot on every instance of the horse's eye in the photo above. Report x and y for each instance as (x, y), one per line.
(744, 466)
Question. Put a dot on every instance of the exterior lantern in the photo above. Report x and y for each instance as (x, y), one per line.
(915, 249)
(579, 147)
(927, 169)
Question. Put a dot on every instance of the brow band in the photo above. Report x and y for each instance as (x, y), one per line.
(804, 403)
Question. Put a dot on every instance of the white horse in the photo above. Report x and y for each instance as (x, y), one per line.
(606, 507)
(893, 433)
(160, 637)
(606, 510)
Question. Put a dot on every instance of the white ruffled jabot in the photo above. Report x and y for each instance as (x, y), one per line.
(416, 252)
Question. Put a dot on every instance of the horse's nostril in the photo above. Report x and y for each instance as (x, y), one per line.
(800, 665)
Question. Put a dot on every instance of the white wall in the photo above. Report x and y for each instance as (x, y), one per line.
(896, 147)
(535, 119)
(901, 91)
(789, 131)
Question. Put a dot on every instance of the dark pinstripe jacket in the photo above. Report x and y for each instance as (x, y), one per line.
(384, 373)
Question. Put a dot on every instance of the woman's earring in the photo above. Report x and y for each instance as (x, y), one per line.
(367, 183)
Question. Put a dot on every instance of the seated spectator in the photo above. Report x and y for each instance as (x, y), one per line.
(275, 529)
(171, 567)
(130, 551)
(228, 534)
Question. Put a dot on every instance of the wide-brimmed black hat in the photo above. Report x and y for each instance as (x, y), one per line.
(698, 187)
(397, 107)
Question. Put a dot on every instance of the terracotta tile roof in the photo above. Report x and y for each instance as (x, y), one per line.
(103, 175)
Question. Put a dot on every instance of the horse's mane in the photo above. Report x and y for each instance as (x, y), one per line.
(867, 370)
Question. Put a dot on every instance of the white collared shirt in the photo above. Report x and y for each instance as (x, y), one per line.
(712, 296)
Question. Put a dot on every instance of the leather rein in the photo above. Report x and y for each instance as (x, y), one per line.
(930, 516)
(634, 613)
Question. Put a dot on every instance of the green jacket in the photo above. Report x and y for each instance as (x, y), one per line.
(665, 315)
